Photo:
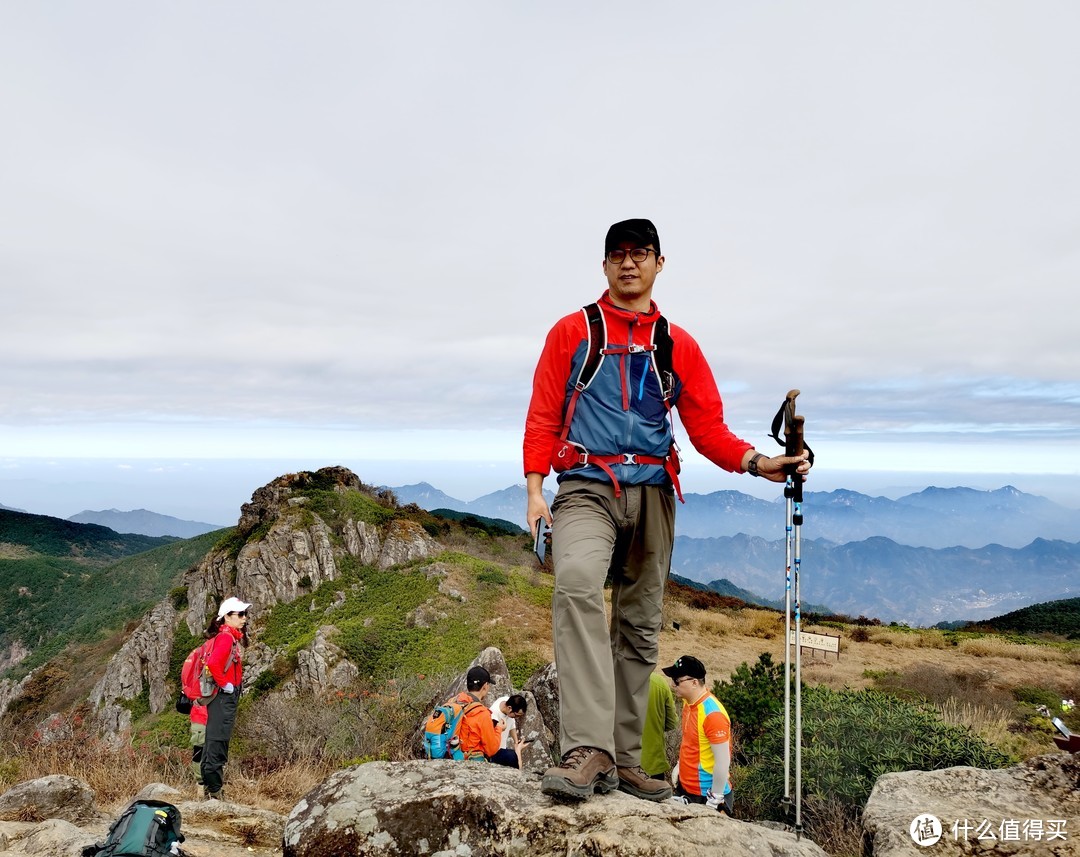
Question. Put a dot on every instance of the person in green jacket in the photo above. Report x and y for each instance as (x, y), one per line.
(660, 717)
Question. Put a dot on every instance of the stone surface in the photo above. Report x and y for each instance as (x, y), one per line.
(55, 796)
(322, 666)
(442, 808)
(53, 837)
(142, 663)
(1045, 790)
(46, 812)
(543, 689)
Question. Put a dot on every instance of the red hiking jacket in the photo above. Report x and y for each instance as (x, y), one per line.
(228, 639)
(620, 412)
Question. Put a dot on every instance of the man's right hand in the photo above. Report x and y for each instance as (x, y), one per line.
(536, 506)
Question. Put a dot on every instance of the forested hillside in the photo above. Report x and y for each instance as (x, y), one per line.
(1051, 617)
(50, 600)
(41, 534)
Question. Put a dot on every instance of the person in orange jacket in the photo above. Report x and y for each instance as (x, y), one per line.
(478, 734)
(225, 663)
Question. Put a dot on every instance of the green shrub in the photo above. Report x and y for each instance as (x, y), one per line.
(850, 738)
(492, 575)
(524, 666)
(752, 698)
(1036, 696)
(168, 729)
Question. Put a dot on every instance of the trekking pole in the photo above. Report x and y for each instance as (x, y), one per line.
(793, 436)
(793, 496)
(789, 493)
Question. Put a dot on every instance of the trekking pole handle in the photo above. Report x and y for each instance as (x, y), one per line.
(793, 427)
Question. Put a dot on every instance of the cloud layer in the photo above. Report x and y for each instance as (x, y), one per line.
(265, 218)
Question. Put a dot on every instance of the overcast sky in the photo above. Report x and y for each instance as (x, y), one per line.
(338, 232)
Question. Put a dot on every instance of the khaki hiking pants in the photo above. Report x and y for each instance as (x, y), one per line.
(603, 666)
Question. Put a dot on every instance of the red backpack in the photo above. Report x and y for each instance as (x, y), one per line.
(192, 670)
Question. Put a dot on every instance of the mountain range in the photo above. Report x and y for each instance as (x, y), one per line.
(998, 550)
(932, 518)
(882, 579)
(942, 554)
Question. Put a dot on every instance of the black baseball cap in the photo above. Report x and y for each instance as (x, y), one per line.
(638, 230)
(686, 667)
(476, 678)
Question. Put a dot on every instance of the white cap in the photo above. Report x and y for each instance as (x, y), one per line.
(232, 604)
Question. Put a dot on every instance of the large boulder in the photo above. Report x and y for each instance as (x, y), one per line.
(53, 837)
(54, 796)
(543, 690)
(1032, 808)
(469, 808)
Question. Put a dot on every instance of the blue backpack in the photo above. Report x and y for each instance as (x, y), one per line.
(440, 730)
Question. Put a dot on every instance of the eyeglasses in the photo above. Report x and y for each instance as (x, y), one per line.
(638, 254)
(678, 681)
(241, 613)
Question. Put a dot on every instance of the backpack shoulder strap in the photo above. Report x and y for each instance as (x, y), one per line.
(662, 358)
(594, 356)
(597, 328)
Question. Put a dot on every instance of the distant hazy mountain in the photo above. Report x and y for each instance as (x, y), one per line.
(726, 587)
(507, 504)
(934, 518)
(879, 578)
(938, 555)
(12, 509)
(55, 537)
(145, 523)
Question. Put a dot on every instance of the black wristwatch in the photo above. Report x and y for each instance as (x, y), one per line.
(751, 466)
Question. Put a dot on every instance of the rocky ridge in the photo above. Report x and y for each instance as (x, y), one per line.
(286, 550)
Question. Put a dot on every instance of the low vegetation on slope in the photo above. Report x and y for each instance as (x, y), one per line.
(50, 602)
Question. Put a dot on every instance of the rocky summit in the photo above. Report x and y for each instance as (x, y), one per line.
(443, 808)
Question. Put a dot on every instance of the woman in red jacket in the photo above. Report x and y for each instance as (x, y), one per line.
(225, 664)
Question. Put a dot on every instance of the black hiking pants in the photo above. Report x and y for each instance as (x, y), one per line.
(221, 716)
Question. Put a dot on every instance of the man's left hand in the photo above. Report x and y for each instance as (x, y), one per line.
(773, 468)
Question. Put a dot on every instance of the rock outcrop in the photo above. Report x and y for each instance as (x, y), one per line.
(288, 551)
(1032, 808)
(142, 662)
(462, 808)
(322, 666)
(10, 691)
(543, 690)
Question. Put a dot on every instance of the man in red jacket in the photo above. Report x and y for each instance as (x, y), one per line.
(615, 511)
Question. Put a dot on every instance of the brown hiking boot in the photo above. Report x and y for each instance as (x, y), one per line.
(583, 770)
(636, 782)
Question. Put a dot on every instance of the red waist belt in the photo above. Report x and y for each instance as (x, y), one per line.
(568, 456)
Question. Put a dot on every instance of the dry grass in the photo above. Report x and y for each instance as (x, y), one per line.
(114, 774)
(832, 827)
(992, 647)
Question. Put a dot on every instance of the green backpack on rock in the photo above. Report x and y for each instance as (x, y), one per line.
(147, 828)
